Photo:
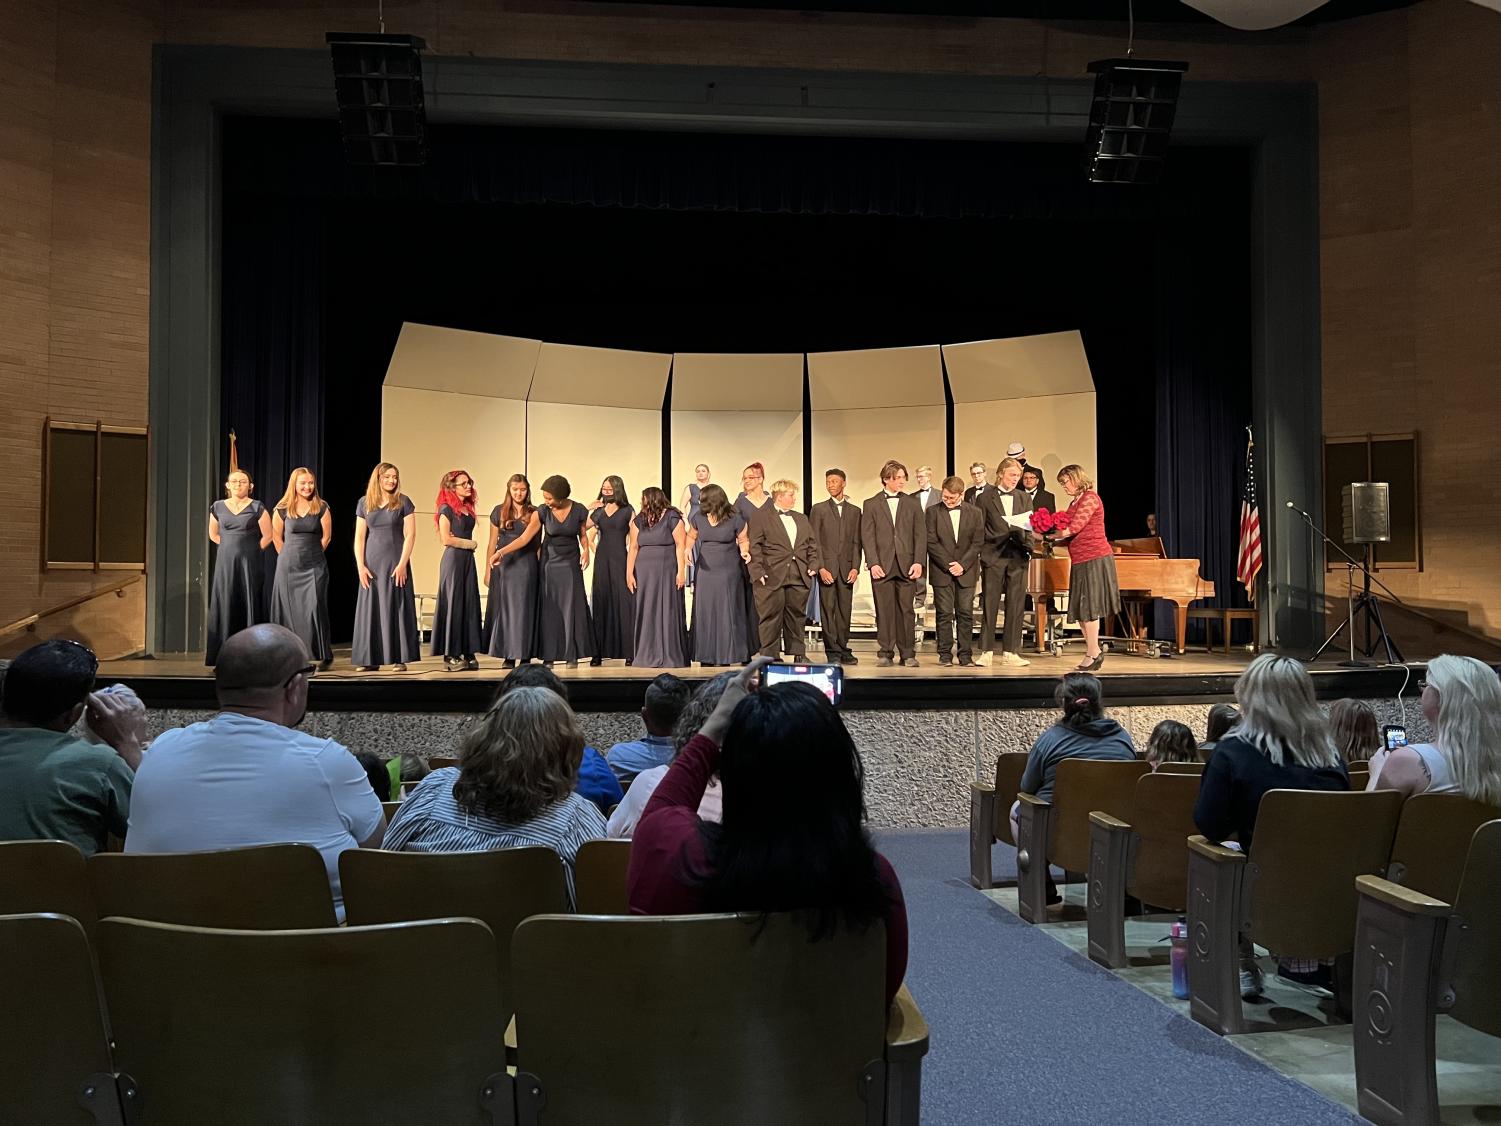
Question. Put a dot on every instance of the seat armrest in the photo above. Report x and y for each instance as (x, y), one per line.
(982, 833)
(1406, 900)
(981, 788)
(1034, 801)
(906, 1044)
(906, 1028)
(1217, 853)
(1034, 830)
(1105, 821)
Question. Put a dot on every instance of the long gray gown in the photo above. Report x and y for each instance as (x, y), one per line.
(611, 605)
(385, 615)
(511, 618)
(299, 597)
(661, 629)
(236, 597)
(563, 629)
(719, 628)
(456, 621)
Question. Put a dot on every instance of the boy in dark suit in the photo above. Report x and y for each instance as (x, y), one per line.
(894, 539)
(955, 533)
(781, 567)
(836, 541)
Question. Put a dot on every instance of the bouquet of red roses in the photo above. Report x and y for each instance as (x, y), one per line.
(1044, 521)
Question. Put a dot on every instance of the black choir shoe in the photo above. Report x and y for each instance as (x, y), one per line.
(850, 659)
(594, 663)
(471, 664)
(508, 663)
(575, 664)
(326, 664)
(1087, 665)
(453, 664)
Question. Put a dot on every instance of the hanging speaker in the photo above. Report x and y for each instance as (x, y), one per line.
(1130, 116)
(378, 83)
(1367, 511)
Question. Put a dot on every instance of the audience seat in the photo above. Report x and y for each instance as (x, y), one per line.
(731, 1020)
(599, 877)
(1058, 831)
(1194, 768)
(1360, 775)
(1146, 857)
(1295, 894)
(500, 887)
(267, 887)
(990, 814)
(46, 876)
(438, 762)
(1433, 837)
(390, 808)
(1416, 956)
(298, 1026)
(55, 1066)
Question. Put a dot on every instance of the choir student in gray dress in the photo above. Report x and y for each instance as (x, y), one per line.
(456, 620)
(564, 632)
(301, 528)
(512, 571)
(718, 534)
(385, 611)
(656, 570)
(611, 605)
(242, 529)
(692, 494)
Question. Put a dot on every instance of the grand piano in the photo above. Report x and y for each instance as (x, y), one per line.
(1144, 573)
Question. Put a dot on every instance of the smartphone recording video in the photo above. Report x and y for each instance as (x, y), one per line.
(828, 679)
(1394, 736)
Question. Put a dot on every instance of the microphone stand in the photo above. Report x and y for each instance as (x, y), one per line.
(1365, 604)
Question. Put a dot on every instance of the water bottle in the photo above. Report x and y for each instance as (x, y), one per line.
(1179, 936)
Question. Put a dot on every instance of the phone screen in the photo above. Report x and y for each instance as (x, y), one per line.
(828, 679)
(1394, 736)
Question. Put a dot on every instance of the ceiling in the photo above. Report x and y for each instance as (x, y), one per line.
(1147, 11)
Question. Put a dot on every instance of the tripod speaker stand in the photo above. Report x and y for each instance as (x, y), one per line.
(1367, 521)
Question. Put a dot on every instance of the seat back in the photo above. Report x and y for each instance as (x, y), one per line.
(1477, 955)
(267, 887)
(52, 1025)
(284, 1026)
(1309, 847)
(499, 887)
(1433, 837)
(390, 808)
(1163, 812)
(599, 877)
(777, 1028)
(1008, 779)
(1081, 787)
(1194, 768)
(1360, 775)
(46, 876)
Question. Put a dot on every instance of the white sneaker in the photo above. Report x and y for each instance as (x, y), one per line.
(1012, 660)
(1250, 981)
(983, 658)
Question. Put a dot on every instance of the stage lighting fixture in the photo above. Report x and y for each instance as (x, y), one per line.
(378, 82)
(1130, 116)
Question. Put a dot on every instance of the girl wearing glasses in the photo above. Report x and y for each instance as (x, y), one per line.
(301, 529)
(241, 526)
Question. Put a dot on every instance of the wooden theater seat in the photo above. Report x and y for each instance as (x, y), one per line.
(599, 877)
(1433, 838)
(1146, 857)
(1194, 768)
(56, 1066)
(46, 876)
(731, 1022)
(1295, 895)
(1057, 832)
(499, 887)
(990, 815)
(1416, 956)
(265, 887)
(287, 1026)
(390, 808)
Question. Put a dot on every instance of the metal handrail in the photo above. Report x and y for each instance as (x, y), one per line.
(116, 588)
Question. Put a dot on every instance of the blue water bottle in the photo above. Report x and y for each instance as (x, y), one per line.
(1179, 934)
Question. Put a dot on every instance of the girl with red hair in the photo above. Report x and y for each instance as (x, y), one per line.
(456, 621)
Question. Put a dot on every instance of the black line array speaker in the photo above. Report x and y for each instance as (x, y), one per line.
(378, 82)
(1130, 116)
(1367, 511)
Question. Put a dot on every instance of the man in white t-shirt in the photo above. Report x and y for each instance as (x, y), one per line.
(246, 776)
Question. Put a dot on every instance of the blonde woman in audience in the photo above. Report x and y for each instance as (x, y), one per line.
(1462, 703)
(513, 787)
(1353, 724)
(1171, 741)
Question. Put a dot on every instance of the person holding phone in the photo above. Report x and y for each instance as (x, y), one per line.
(781, 568)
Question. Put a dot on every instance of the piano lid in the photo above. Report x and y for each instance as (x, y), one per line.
(1147, 546)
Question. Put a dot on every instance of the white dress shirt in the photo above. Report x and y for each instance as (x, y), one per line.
(954, 520)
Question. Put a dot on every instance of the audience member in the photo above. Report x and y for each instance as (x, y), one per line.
(1171, 741)
(623, 821)
(666, 697)
(1282, 742)
(596, 781)
(1352, 723)
(1222, 717)
(247, 776)
(378, 772)
(54, 785)
(793, 836)
(515, 785)
(1462, 703)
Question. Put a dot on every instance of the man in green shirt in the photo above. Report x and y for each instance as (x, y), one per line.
(53, 785)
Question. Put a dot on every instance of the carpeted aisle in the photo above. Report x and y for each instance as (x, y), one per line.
(1024, 1030)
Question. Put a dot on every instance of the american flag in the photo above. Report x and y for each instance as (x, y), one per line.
(1248, 560)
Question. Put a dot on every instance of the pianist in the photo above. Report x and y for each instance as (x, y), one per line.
(1093, 588)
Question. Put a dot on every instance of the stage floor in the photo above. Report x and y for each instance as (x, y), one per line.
(1196, 676)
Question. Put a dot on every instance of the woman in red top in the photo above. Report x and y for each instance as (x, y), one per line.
(1093, 590)
(793, 835)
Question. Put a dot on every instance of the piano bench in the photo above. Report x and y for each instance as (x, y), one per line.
(1225, 615)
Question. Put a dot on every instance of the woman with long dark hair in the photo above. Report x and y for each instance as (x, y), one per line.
(241, 526)
(718, 533)
(301, 530)
(564, 632)
(611, 604)
(385, 611)
(511, 574)
(793, 835)
(656, 570)
(456, 621)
